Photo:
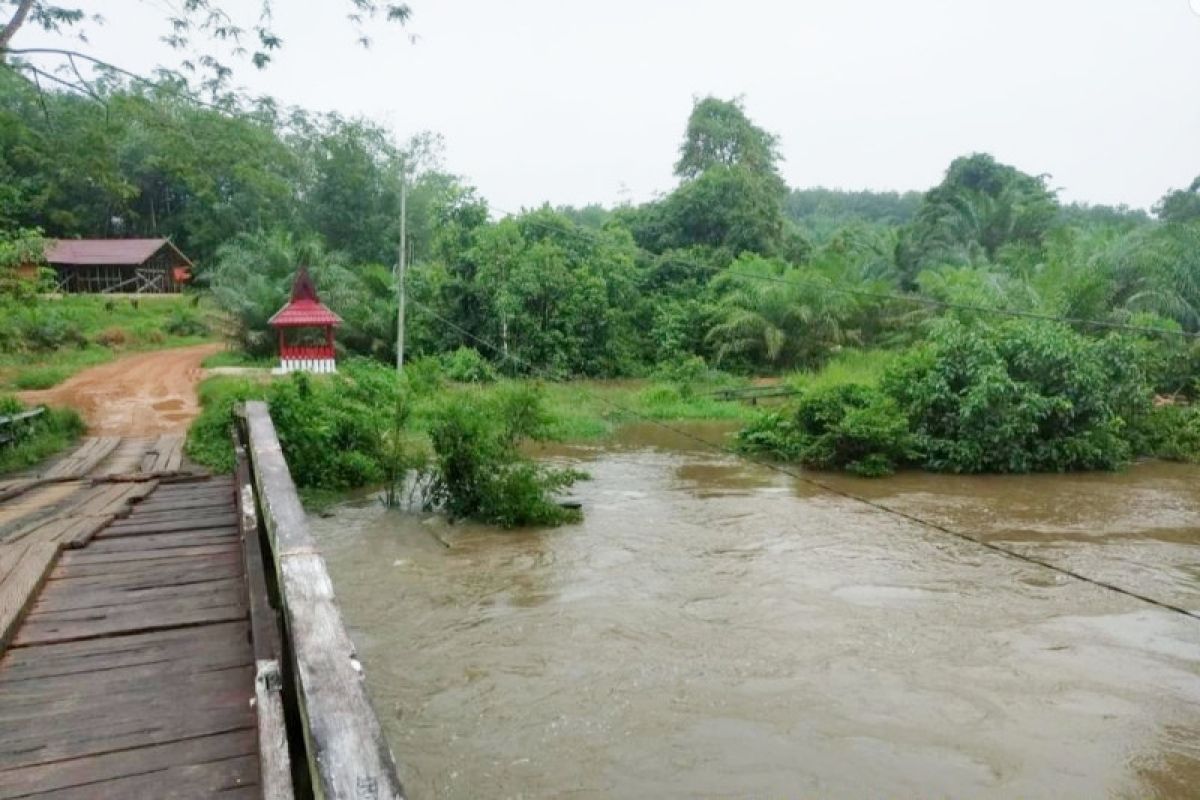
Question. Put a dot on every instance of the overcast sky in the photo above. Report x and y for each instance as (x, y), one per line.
(575, 102)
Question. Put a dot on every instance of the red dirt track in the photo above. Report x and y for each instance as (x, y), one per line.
(136, 395)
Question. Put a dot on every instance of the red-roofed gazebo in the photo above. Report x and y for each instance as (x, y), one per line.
(305, 311)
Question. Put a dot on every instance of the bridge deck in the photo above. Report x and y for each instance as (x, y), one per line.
(131, 674)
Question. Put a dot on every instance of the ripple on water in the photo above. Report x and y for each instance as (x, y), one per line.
(711, 629)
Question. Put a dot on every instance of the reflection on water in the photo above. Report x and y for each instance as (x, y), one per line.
(715, 629)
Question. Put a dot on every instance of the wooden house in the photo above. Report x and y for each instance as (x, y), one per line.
(133, 266)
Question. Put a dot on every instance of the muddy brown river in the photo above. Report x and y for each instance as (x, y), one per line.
(716, 629)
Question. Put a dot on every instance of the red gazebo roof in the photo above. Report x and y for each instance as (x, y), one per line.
(305, 309)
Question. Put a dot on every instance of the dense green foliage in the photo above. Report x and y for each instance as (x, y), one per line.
(366, 426)
(479, 473)
(729, 270)
(38, 438)
(1020, 396)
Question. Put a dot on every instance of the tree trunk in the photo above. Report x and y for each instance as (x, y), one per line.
(13, 25)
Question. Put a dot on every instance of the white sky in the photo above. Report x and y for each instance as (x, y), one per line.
(573, 102)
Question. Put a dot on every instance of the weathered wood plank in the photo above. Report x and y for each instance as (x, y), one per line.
(168, 649)
(20, 586)
(85, 556)
(107, 733)
(228, 779)
(181, 523)
(274, 756)
(104, 596)
(152, 574)
(65, 626)
(94, 771)
(347, 753)
(142, 567)
(159, 541)
(33, 709)
(86, 458)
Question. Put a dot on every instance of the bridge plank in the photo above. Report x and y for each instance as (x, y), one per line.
(95, 774)
(172, 649)
(132, 674)
(20, 584)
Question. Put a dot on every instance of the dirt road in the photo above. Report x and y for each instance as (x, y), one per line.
(140, 394)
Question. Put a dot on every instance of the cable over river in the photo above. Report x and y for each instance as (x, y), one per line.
(716, 629)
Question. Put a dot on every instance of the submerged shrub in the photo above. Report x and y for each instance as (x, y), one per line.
(847, 426)
(478, 471)
(1020, 397)
(1171, 432)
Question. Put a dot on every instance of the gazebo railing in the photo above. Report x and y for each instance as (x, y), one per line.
(295, 351)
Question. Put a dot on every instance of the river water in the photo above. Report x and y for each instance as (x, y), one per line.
(717, 629)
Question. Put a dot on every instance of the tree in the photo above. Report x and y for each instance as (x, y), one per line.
(978, 210)
(719, 134)
(1180, 205)
(775, 316)
(207, 34)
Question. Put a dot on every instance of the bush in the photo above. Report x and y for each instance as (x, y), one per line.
(1020, 397)
(479, 473)
(112, 337)
(45, 330)
(466, 365)
(184, 321)
(1171, 432)
(851, 427)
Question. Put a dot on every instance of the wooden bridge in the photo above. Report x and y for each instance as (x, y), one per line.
(165, 633)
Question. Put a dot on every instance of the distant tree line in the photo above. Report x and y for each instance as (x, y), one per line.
(731, 267)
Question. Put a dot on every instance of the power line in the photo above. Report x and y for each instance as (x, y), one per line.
(779, 468)
(929, 302)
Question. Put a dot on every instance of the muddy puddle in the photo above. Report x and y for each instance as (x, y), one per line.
(716, 629)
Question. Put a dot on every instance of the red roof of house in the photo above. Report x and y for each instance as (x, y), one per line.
(305, 309)
(108, 251)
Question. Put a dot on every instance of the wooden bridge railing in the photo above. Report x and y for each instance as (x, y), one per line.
(347, 756)
(12, 425)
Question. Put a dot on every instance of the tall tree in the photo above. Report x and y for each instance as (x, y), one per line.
(1181, 205)
(719, 134)
(979, 208)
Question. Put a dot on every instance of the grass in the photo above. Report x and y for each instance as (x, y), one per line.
(54, 431)
(851, 366)
(236, 358)
(588, 410)
(56, 337)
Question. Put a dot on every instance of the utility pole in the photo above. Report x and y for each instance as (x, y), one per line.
(402, 266)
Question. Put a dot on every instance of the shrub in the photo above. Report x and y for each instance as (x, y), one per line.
(185, 321)
(112, 337)
(1020, 397)
(44, 330)
(848, 426)
(466, 365)
(479, 473)
(1171, 432)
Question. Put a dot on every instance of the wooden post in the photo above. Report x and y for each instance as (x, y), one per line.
(348, 758)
